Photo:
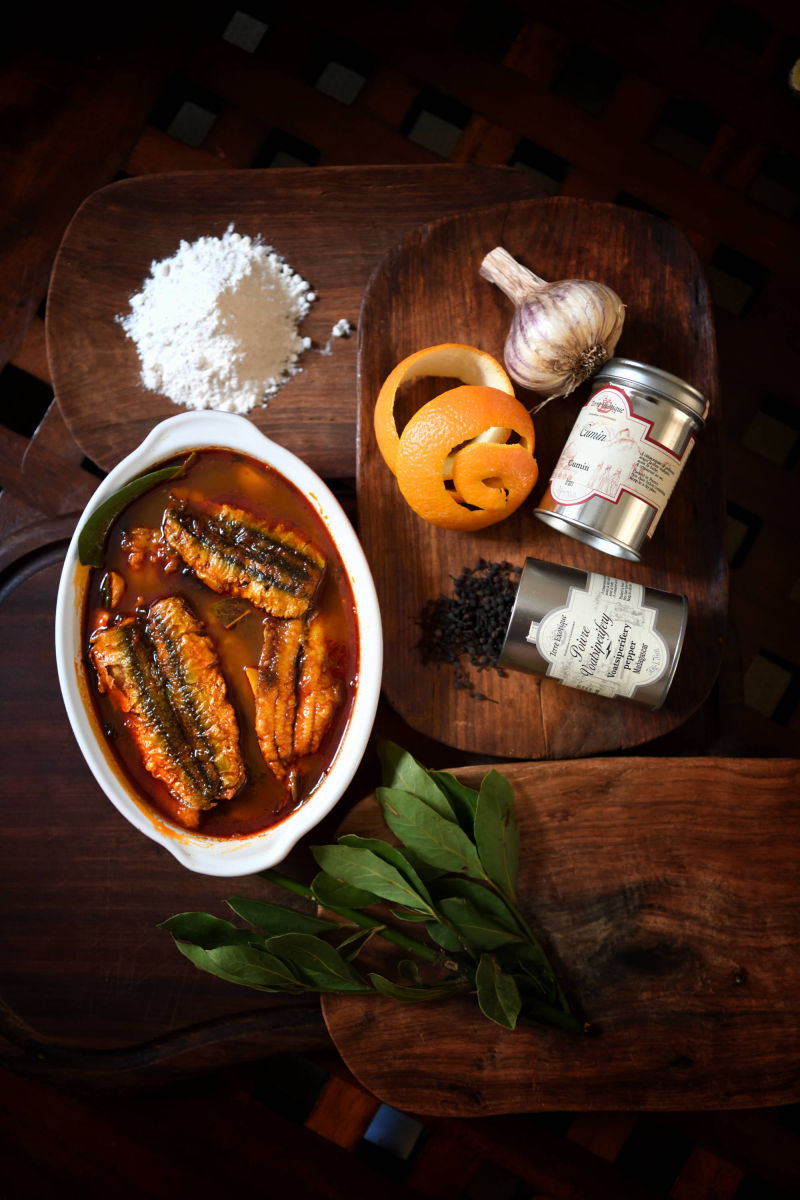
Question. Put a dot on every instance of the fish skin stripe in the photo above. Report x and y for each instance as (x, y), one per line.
(204, 547)
(183, 696)
(158, 720)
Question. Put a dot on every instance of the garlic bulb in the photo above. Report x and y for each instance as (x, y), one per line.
(561, 332)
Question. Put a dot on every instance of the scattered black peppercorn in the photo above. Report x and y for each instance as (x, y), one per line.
(471, 623)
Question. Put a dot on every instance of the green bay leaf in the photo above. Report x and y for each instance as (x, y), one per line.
(93, 534)
(531, 960)
(276, 918)
(444, 937)
(334, 893)
(390, 854)
(245, 965)
(407, 969)
(438, 842)
(317, 963)
(498, 995)
(401, 770)
(478, 928)
(207, 931)
(364, 869)
(535, 1009)
(350, 947)
(480, 897)
(497, 832)
(463, 799)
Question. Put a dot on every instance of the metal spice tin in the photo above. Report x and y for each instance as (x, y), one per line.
(623, 458)
(595, 633)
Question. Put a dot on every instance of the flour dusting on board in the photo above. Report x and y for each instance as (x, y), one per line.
(217, 324)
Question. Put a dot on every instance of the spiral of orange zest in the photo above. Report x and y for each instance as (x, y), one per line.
(448, 360)
(493, 477)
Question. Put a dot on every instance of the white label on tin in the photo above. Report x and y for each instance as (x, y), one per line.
(611, 451)
(603, 640)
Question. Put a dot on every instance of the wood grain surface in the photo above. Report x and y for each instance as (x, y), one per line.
(666, 889)
(332, 225)
(428, 290)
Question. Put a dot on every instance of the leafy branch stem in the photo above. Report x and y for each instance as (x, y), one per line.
(427, 953)
(454, 871)
(534, 941)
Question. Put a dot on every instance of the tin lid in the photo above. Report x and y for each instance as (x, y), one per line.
(653, 379)
(542, 587)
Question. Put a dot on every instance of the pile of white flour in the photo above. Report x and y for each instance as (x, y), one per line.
(216, 325)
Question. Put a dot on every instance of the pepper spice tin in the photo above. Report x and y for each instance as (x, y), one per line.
(595, 633)
(626, 451)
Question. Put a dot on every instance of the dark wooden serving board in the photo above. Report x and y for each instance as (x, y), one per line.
(331, 224)
(667, 891)
(428, 290)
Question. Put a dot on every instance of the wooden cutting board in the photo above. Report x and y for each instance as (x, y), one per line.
(667, 891)
(331, 224)
(428, 290)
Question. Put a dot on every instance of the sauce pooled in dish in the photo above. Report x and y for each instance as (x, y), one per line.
(222, 638)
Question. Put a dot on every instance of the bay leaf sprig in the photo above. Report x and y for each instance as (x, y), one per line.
(451, 881)
(92, 536)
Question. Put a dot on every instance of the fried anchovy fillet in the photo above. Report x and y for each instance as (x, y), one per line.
(276, 699)
(235, 554)
(318, 692)
(185, 738)
(127, 673)
(189, 663)
(296, 693)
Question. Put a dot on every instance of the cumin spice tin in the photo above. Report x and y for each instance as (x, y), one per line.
(624, 456)
(595, 633)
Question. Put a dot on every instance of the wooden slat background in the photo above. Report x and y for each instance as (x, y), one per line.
(83, 105)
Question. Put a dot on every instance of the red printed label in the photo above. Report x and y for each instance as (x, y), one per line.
(611, 451)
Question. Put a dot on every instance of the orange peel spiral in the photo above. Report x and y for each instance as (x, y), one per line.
(447, 360)
(494, 476)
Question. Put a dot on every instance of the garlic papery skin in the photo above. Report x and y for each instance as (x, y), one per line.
(561, 333)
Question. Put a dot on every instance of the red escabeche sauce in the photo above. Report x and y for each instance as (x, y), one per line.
(229, 477)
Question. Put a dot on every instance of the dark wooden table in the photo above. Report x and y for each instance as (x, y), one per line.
(91, 990)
